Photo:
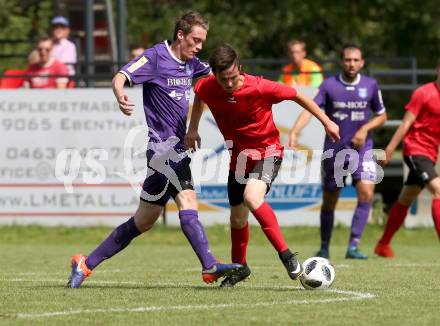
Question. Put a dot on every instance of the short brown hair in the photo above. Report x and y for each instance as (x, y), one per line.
(295, 42)
(223, 57)
(351, 46)
(188, 21)
(44, 39)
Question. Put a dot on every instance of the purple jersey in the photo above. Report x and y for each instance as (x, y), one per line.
(349, 105)
(166, 82)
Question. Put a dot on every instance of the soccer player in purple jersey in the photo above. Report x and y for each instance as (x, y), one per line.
(166, 71)
(349, 99)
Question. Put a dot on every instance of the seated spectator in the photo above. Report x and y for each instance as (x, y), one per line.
(63, 49)
(301, 71)
(135, 51)
(48, 72)
(33, 58)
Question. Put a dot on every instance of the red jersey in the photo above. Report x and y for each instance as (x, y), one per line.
(245, 116)
(423, 138)
(40, 74)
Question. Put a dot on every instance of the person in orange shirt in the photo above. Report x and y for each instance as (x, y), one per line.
(301, 71)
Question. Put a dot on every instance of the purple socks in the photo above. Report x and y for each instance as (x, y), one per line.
(327, 219)
(358, 223)
(115, 242)
(195, 233)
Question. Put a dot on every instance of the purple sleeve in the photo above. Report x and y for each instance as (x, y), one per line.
(377, 105)
(320, 98)
(141, 69)
(200, 68)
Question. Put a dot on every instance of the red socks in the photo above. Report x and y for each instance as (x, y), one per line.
(436, 215)
(395, 220)
(269, 224)
(239, 239)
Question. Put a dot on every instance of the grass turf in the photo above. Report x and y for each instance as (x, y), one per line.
(157, 281)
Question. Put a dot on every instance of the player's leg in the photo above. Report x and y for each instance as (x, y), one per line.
(153, 198)
(327, 217)
(434, 188)
(261, 178)
(396, 217)
(254, 200)
(192, 228)
(144, 219)
(238, 220)
(414, 184)
(330, 196)
(365, 193)
(239, 238)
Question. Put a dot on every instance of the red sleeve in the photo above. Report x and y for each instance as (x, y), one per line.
(200, 88)
(416, 102)
(276, 92)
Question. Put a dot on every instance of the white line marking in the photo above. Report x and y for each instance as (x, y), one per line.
(347, 296)
(352, 296)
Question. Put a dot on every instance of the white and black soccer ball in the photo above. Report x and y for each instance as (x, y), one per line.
(318, 274)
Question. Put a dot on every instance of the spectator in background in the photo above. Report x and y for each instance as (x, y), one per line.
(63, 49)
(301, 71)
(47, 72)
(135, 51)
(33, 58)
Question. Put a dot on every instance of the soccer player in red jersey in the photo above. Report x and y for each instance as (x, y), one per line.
(47, 72)
(420, 130)
(242, 107)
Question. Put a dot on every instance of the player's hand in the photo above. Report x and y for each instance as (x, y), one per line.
(385, 161)
(125, 105)
(292, 142)
(332, 130)
(359, 138)
(192, 140)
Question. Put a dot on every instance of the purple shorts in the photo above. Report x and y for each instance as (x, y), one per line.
(360, 164)
(166, 180)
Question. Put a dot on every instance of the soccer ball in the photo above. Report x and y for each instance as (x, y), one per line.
(318, 274)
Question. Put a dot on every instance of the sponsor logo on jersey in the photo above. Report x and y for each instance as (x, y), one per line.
(362, 92)
(176, 95)
(357, 116)
(234, 121)
(350, 104)
(137, 64)
(339, 115)
(179, 81)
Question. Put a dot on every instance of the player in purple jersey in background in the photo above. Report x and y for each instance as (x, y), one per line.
(354, 102)
(165, 71)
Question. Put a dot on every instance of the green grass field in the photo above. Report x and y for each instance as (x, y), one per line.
(157, 281)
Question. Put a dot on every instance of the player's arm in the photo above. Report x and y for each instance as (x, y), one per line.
(407, 121)
(360, 136)
(125, 105)
(331, 128)
(302, 121)
(192, 137)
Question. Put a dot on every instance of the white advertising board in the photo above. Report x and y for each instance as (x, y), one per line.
(99, 150)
